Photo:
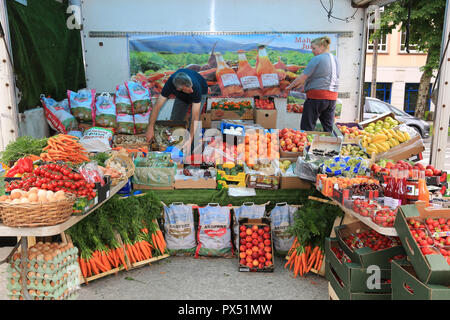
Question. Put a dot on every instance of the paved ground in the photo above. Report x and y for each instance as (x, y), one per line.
(187, 278)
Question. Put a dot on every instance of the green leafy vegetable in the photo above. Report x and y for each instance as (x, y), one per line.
(21, 147)
(313, 222)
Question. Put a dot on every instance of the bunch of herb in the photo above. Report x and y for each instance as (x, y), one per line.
(313, 222)
(100, 158)
(23, 146)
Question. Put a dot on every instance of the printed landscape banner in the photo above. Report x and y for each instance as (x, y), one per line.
(234, 65)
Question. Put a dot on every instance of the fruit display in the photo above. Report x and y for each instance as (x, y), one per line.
(345, 166)
(383, 140)
(362, 188)
(341, 255)
(284, 165)
(371, 239)
(294, 107)
(384, 217)
(259, 145)
(439, 228)
(264, 168)
(379, 125)
(430, 243)
(353, 151)
(384, 166)
(266, 104)
(255, 247)
(351, 132)
(292, 140)
(327, 184)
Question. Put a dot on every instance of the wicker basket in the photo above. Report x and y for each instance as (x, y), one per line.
(125, 161)
(37, 214)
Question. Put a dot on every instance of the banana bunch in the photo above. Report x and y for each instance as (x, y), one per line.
(383, 141)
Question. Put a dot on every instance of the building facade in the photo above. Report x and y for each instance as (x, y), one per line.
(398, 72)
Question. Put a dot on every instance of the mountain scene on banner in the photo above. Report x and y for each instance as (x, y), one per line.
(200, 44)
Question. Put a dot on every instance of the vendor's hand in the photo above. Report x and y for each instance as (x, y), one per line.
(150, 134)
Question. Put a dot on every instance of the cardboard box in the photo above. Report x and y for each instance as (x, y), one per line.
(205, 118)
(343, 292)
(258, 222)
(353, 275)
(200, 183)
(294, 183)
(430, 269)
(365, 256)
(144, 187)
(403, 151)
(259, 181)
(406, 286)
(381, 117)
(331, 146)
(217, 114)
(266, 118)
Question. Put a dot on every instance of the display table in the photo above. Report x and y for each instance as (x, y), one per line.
(47, 231)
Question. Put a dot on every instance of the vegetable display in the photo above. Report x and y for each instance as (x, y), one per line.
(122, 232)
(55, 177)
(312, 223)
(64, 148)
(23, 165)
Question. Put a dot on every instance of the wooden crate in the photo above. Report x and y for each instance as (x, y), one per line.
(66, 239)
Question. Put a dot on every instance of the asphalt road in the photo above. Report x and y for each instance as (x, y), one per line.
(426, 154)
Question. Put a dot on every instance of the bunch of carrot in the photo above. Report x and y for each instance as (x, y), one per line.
(63, 147)
(156, 239)
(98, 261)
(303, 258)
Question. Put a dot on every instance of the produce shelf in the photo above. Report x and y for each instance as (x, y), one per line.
(6, 231)
(366, 220)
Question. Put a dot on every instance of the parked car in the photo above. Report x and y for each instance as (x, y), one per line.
(374, 107)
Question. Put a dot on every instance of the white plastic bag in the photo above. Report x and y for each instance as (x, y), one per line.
(179, 229)
(281, 217)
(214, 231)
(97, 139)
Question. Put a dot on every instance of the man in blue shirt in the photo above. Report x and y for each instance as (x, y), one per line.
(189, 87)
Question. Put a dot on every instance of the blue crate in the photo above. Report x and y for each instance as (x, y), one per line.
(225, 125)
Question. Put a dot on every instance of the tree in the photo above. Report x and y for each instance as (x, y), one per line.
(426, 22)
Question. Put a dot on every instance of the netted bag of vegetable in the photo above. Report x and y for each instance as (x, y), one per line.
(58, 114)
(179, 229)
(125, 124)
(281, 217)
(139, 96)
(82, 104)
(214, 232)
(246, 210)
(122, 100)
(105, 111)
